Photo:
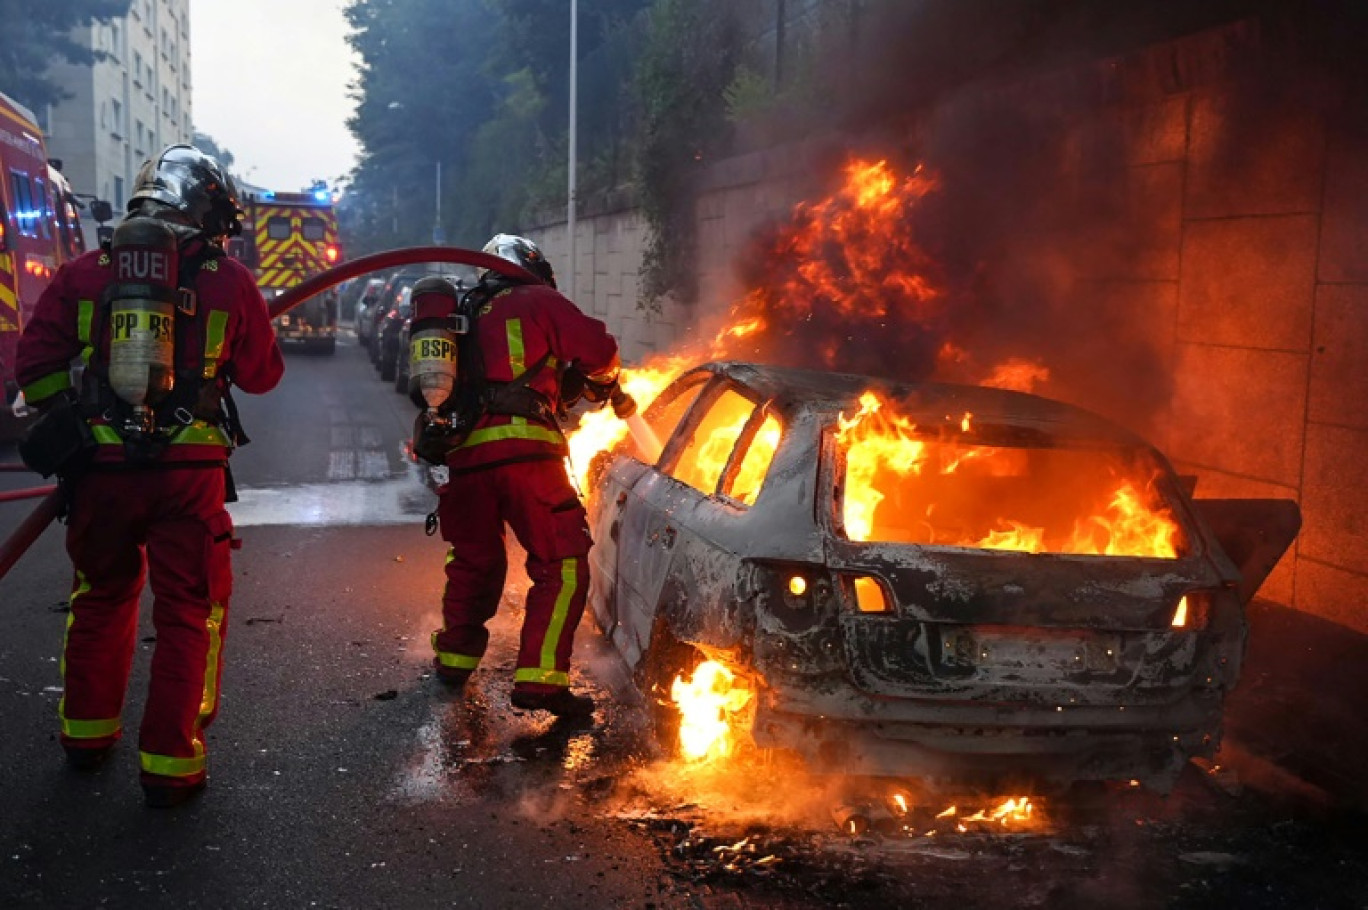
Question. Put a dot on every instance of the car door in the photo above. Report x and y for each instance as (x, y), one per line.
(621, 518)
(673, 513)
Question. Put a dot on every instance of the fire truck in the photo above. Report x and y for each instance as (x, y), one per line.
(287, 238)
(39, 230)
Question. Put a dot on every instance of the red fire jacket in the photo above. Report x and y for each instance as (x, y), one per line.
(239, 344)
(515, 330)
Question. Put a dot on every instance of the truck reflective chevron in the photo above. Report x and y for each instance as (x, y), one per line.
(288, 238)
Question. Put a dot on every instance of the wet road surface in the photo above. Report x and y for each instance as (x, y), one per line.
(344, 775)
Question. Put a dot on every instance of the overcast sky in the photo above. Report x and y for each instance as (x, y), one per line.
(271, 84)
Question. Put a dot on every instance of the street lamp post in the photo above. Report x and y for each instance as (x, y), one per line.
(574, 92)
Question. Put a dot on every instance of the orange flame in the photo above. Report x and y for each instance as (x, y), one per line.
(848, 262)
(709, 703)
(888, 460)
(599, 431)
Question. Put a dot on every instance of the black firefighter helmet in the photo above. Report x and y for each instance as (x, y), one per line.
(193, 184)
(523, 252)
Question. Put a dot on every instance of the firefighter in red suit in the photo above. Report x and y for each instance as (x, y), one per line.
(149, 501)
(511, 469)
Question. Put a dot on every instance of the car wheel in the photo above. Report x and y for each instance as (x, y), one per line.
(389, 366)
(666, 659)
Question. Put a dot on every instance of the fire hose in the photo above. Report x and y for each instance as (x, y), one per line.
(32, 527)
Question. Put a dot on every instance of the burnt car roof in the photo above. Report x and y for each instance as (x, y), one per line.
(793, 389)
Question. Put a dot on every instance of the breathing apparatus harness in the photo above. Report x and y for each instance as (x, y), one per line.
(446, 424)
(179, 392)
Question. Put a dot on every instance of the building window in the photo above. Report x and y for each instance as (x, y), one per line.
(116, 110)
(119, 192)
(114, 38)
(137, 69)
(25, 215)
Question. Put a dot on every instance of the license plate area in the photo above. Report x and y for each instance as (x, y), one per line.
(1027, 653)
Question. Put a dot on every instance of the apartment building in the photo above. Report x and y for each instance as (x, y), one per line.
(127, 106)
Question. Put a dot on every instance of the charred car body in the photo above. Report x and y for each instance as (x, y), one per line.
(980, 616)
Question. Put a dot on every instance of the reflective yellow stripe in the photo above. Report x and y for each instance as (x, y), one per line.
(519, 429)
(82, 587)
(515, 347)
(459, 661)
(49, 385)
(569, 582)
(197, 433)
(91, 729)
(214, 626)
(537, 675)
(200, 433)
(170, 766)
(85, 317)
(81, 729)
(214, 335)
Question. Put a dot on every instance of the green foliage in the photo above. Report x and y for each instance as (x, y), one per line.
(748, 94)
(689, 60)
(480, 85)
(36, 33)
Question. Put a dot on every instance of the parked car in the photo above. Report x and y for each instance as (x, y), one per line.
(930, 632)
(401, 376)
(390, 296)
(387, 335)
(364, 314)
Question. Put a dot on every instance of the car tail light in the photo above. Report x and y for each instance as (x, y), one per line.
(867, 594)
(1192, 610)
(798, 591)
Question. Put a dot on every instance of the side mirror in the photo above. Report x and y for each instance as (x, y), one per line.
(101, 210)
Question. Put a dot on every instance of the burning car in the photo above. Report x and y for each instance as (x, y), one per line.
(949, 582)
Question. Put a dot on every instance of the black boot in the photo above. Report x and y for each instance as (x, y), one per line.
(168, 796)
(86, 759)
(562, 702)
(455, 677)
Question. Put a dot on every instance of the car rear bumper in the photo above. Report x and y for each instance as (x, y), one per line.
(847, 732)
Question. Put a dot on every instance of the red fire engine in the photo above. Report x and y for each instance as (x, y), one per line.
(39, 230)
(287, 238)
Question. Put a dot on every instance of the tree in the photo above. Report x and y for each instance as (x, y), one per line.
(37, 33)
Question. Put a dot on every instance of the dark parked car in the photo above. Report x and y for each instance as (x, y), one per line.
(366, 302)
(927, 580)
(391, 295)
(387, 329)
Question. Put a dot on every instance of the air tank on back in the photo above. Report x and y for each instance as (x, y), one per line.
(142, 316)
(433, 362)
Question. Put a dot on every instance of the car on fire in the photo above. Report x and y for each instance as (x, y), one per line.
(938, 581)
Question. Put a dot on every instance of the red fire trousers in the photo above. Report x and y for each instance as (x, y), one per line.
(536, 500)
(169, 524)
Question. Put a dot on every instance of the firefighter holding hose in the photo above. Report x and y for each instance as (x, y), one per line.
(492, 419)
(165, 323)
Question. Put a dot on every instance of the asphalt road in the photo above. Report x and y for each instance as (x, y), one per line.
(344, 775)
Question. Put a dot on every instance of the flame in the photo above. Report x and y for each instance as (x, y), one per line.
(840, 270)
(709, 703)
(1016, 374)
(886, 452)
(599, 431)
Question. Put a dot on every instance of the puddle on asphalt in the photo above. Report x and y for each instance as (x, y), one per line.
(384, 502)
